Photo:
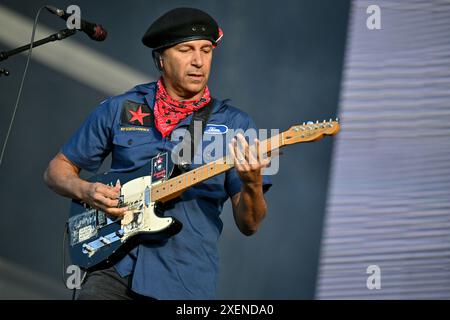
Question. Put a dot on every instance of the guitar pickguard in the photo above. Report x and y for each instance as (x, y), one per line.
(141, 216)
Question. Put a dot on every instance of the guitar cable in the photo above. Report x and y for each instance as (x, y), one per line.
(64, 268)
(19, 94)
(21, 84)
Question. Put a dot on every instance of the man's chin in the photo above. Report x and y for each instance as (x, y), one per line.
(195, 88)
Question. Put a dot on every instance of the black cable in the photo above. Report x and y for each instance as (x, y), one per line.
(63, 274)
(64, 267)
(66, 229)
(21, 84)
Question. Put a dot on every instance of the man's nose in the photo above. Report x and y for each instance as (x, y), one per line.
(197, 59)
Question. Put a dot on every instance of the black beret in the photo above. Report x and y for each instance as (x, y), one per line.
(181, 25)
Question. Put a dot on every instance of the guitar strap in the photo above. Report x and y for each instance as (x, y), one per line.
(201, 115)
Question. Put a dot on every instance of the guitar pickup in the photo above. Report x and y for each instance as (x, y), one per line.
(105, 240)
(88, 248)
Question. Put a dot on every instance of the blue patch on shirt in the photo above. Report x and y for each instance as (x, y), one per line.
(216, 129)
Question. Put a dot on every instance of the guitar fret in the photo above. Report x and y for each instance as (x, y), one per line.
(179, 184)
(207, 171)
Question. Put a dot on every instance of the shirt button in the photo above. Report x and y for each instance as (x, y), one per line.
(130, 142)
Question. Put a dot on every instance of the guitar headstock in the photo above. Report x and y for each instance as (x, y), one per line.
(310, 131)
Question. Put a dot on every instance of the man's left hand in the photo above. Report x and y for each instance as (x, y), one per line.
(248, 160)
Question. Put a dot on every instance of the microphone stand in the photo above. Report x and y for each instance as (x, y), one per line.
(54, 37)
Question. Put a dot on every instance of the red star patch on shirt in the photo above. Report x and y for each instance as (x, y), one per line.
(138, 115)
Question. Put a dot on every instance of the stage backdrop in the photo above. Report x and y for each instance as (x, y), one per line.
(388, 212)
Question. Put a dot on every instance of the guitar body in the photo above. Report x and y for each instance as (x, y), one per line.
(97, 240)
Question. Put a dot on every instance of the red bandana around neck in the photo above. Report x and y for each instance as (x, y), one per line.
(169, 112)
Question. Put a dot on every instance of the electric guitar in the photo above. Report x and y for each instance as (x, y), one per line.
(97, 239)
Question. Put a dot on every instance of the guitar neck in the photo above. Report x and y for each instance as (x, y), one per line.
(308, 132)
(178, 184)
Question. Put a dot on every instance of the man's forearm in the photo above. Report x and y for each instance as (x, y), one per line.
(63, 178)
(251, 208)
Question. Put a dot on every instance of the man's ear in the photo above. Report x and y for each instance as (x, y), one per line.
(158, 60)
(161, 64)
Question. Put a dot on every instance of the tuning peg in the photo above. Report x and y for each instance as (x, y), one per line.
(309, 123)
(304, 123)
(337, 119)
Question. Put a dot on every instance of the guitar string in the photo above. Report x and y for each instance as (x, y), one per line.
(221, 162)
(224, 161)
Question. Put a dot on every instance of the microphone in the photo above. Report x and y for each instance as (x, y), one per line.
(94, 31)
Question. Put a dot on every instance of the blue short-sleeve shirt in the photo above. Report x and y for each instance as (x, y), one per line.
(186, 265)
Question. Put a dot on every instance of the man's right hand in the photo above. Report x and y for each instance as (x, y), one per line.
(104, 198)
(62, 176)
